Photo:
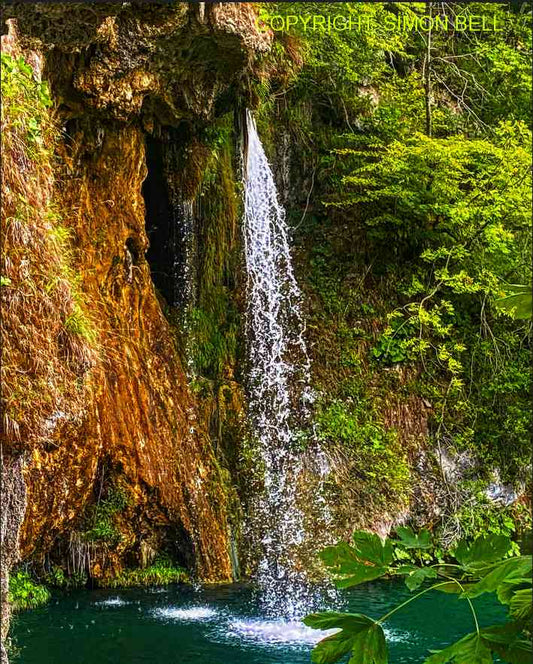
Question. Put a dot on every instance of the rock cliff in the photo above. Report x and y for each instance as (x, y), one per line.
(96, 400)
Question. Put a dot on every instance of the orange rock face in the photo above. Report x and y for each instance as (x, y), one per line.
(140, 416)
(115, 71)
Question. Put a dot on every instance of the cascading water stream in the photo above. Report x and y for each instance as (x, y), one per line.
(184, 270)
(278, 382)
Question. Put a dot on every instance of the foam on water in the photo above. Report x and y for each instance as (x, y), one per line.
(290, 632)
(285, 633)
(193, 613)
(112, 602)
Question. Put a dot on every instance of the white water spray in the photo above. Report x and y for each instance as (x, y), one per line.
(278, 383)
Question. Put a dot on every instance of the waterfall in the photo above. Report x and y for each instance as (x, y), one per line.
(278, 382)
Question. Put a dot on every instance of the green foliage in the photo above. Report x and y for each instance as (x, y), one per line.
(25, 593)
(479, 516)
(25, 103)
(359, 634)
(451, 217)
(517, 302)
(57, 578)
(100, 518)
(411, 239)
(482, 550)
(160, 573)
(355, 425)
(479, 648)
(479, 567)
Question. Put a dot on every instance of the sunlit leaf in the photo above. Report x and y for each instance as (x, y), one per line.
(517, 302)
(368, 559)
(371, 549)
(483, 550)
(506, 571)
(359, 634)
(417, 578)
(410, 540)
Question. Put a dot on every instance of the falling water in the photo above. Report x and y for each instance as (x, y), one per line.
(184, 271)
(277, 382)
(184, 251)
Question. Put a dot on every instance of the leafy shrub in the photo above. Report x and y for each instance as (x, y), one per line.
(57, 578)
(101, 517)
(479, 567)
(25, 593)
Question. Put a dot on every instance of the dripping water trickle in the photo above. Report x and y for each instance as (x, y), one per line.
(184, 271)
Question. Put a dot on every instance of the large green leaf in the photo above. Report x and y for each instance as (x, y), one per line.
(517, 302)
(469, 650)
(417, 578)
(410, 540)
(359, 634)
(348, 570)
(370, 647)
(521, 604)
(503, 640)
(368, 559)
(507, 571)
(371, 549)
(482, 550)
(507, 642)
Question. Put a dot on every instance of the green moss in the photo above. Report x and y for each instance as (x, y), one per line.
(25, 593)
(374, 451)
(215, 321)
(213, 338)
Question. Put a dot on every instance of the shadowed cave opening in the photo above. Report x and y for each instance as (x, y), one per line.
(164, 212)
(159, 218)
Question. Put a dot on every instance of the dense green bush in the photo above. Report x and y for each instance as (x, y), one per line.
(25, 593)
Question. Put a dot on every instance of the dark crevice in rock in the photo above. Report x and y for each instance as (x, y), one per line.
(168, 213)
(159, 215)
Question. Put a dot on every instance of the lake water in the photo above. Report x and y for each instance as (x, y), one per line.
(221, 625)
